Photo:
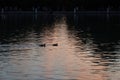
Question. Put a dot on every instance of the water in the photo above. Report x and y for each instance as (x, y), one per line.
(88, 47)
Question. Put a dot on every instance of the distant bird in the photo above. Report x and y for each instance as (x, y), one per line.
(55, 44)
(42, 45)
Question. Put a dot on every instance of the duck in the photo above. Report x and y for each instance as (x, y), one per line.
(55, 44)
(42, 45)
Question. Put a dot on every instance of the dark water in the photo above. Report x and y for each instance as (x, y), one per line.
(79, 47)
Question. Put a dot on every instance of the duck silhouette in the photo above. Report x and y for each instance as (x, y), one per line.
(42, 45)
(55, 44)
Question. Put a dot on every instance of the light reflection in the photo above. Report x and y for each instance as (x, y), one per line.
(61, 61)
(71, 59)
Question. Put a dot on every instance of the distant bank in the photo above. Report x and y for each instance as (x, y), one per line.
(60, 12)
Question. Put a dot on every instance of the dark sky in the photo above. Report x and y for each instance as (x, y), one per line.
(85, 4)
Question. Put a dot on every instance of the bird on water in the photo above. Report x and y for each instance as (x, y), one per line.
(55, 44)
(44, 45)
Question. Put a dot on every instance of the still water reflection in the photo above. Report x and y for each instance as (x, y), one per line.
(27, 50)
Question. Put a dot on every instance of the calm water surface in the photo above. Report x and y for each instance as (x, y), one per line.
(88, 47)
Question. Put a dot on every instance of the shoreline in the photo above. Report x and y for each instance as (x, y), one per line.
(60, 12)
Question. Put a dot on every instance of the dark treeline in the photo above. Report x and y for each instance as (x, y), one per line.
(59, 5)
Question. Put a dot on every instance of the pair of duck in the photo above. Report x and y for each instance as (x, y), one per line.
(44, 45)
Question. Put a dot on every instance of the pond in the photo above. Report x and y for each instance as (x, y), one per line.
(79, 47)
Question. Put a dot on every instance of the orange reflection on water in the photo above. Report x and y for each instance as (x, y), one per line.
(61, 61)
(71, 59)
